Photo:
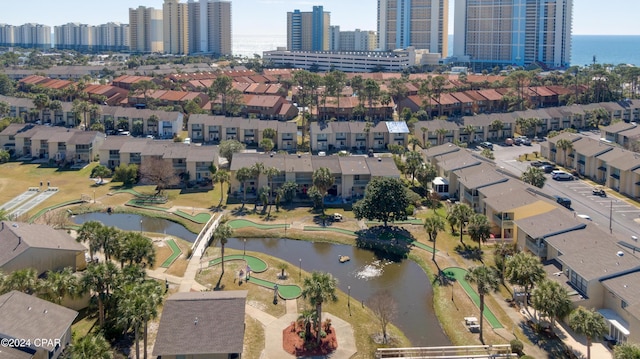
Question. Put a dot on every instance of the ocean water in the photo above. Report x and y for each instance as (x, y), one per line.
(608, 49)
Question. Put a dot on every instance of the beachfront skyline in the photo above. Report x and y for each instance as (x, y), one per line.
(590, 17)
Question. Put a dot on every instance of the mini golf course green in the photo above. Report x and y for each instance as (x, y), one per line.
(459, 274)
(286, 291)
(330, 229)
(200, 218)
(243, 223)
(175, 253)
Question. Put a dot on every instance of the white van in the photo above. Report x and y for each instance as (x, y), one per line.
(187, 140)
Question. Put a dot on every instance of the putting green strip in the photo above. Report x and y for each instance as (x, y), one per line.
(459, 274)
(45, 210)
(423, 246)
(243, 223)
(176, 252)
(133, 203)
(257, 265)
(199, 218)
(409, 221)
(330, 229)
(285, 291)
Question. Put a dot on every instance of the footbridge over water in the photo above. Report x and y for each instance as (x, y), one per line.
(449, 352)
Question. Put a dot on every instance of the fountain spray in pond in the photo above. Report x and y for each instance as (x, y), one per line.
(372, 270)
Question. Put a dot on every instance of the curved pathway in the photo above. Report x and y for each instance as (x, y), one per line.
(257, 265)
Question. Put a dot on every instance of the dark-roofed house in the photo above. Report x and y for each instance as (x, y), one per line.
(473, 178)
(549, 150)
(584, 156)
(202, 325)
(44, 326)
(24, 245)
(436, 132)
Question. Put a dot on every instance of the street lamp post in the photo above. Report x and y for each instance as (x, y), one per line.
(275, 294)
(140, 226)
(94, 196)
(244, 247)
(349, 298)
(300, 269)
(610, 217)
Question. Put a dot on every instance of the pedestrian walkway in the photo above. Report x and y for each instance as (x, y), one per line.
(197, 251)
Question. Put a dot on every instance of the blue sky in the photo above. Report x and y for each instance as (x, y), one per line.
(591, 17)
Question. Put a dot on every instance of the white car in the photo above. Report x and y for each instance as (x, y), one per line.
(562, 176)
(584, 216)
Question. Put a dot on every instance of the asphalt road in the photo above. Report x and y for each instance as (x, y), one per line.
(606, 212)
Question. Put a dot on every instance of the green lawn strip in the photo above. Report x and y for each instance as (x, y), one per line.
(128, 190)
(338, 230)
(257, 265)
(132, 203)
(176, 252)
(200, 218)
(242, 223)
(423, 246)
(45, 210)
(389, 236)
(409, 221)
(285, 291)
(459, 274)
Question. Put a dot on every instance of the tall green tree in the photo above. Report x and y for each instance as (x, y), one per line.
(318, 289)
(486, 281)
(534, 176)
(270, 172)
(385, 199)
(88, 233)
(552, 300)
(222, 177)
(59, 285)
(479, 228)
(432, 226)
(136, 249)
(41, 102)
(228, 147)
(90, 346)
(565, 145)
(626, 351)
(222, 88)
(425, 174)
(22, 280)
(98, 280)
(222, 233)
(413, 162)
(525, 270)
(588, 323)
(322, 180)
(243, 175)
(458, 215)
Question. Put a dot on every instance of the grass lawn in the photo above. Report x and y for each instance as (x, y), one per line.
(253, 338)
(175, 253)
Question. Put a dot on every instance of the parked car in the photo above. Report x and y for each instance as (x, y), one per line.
(508, 142)
(584, 216)
(540, 163)
(563, 201)
(337, 217)
(599, 191)
(488, 145)
(563, 176)
(548, 168)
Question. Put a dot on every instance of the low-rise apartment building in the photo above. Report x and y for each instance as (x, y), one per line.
(354, 136)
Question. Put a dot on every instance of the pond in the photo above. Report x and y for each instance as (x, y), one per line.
(364, 273)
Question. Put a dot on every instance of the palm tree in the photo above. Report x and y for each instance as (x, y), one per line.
(59, 285)
(437, 84)
(222, 233)
(319, 288)
(424, 135)
(525, 270)
(23, 280)
(41, 102)
(81, 107)
(626, 351)
(270, 172)
(565, 145)
(88, 232)
(479, 228)
(306, 318)
(534, 176)
(267, 144)
(413, 162)
(496, 126)
(414, 142)
(371, 92)
(441, 132)
(138, 303)
(153, 294)
(136, 249)
(486, 280)
(243, 175)
(222, 177)
(551, 299)
(98, 280)
(425, 174)
(4, 109)
(90, 346)
(323, 180)
(470, 130)
(432, 226)
(109, 239)
(588, 323)
(459, 214)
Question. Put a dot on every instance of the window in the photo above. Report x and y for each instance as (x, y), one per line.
(623, 304)
(579, 282)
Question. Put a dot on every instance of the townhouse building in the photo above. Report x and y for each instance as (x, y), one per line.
(213, 129)
(357, 136)
(351, 173)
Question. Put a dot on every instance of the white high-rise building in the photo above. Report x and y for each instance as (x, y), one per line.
(491, 33)
(175, 23)
(74, 36)
(210, 27)
(422, 24)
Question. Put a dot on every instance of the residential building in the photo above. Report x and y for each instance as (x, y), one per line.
(213, 129)
(491, 33)
(146, 30)
(210, 27)
(356, 136)
(44, 326)
(357, 40)
(112, 36)
(308, 31)
(27, 35)
(422, 24)
(352, 173)
(74, 36)
(203, 325)
(25, 245)
(175, 25)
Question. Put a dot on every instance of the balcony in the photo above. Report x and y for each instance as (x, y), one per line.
(538, 250)
(505, 221)
(361, 182)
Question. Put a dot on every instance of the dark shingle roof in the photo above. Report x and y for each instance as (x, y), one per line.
(28, 317)
(202, 323)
